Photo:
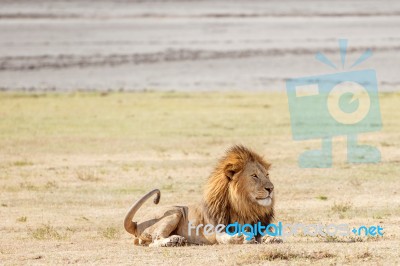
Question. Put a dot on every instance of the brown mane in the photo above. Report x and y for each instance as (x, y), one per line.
(221, 204)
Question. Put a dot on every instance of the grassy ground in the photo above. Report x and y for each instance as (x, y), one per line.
(71, 165)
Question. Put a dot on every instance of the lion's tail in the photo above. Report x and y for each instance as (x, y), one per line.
(129, 225)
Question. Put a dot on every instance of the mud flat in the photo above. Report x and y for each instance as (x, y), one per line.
(189, 45)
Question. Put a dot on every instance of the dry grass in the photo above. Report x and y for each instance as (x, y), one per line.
(72, 164)
(280, 254)
(47, 232)
(341, 207)
(22, 219)
(87, 175)
(110, 233)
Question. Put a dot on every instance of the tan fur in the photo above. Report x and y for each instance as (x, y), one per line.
(223, 203)
(238, 190)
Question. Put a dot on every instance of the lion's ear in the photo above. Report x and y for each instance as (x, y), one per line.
(230, 171)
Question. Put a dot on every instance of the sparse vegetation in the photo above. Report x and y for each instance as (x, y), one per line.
(110, 233)
(341, 207)
(385, 144)
(364, 255)
(287, 254)
(87, 175)
(355, 182)
(47, 232)
(22, 163)
(91, 157)
(22, 219)
(51, 184)
(321, 197)
(168, 187)
(28, 186)
(329, 238)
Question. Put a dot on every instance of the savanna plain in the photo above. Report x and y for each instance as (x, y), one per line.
(71, 164)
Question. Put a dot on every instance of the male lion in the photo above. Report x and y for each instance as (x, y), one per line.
(238, 190)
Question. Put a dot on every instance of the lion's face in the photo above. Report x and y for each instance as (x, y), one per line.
(239, 189)
(254, 179)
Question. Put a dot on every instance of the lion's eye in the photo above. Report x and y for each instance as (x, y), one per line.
(254, 176)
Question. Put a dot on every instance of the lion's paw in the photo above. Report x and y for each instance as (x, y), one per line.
(176, 241)
(230, 239)
(236, 239)
(251, 241)
(171, 241)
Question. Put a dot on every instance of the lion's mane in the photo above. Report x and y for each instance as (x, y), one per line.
(224, 205)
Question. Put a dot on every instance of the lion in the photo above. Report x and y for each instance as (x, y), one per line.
(238, 190)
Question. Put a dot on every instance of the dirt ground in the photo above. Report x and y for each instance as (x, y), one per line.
(71, 165)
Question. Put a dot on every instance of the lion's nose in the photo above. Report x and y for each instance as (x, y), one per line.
(269, 189)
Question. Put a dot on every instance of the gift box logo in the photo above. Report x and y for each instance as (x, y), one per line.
(325, 106)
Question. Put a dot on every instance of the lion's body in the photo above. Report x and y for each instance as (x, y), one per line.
(239, 190)
(172, 221)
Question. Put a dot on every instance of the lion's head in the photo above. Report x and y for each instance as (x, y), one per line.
(239, 189)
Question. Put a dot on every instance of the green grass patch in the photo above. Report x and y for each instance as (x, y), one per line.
(322, 197)
(22, 219)
(22, 163)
